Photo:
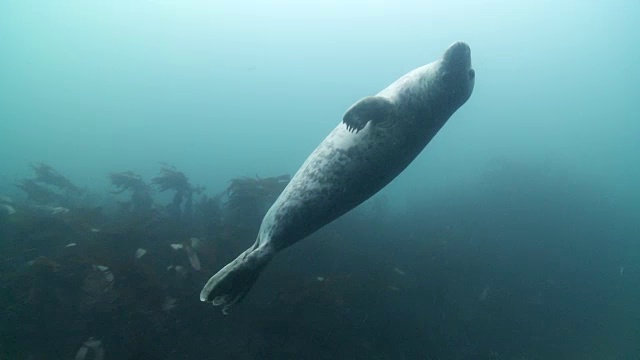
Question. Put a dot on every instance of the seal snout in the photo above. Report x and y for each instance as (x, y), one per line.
(458, 53)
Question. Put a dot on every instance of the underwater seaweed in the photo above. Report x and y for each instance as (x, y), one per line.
(127, 180)
(49, 187)
(207, 216)
(141, 199)
(67, 275)
(248, 199)
(38, 193)
(48, 175)
(172, 179)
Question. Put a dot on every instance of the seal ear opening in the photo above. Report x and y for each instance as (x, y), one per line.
(376, 109)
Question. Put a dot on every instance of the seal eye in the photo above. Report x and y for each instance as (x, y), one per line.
(472, 74)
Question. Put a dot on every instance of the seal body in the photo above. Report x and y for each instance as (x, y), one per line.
(379, 136)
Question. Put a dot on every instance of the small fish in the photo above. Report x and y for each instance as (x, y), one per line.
(59, 211)
(91, 344)
(320, 278)
(169, 303)
(180, 270)
(108, 275)
(193, 258)
(393, 288)
(7, 209)
(621, 270)
(5, 199)
(195, 243)
(484, 294)
(398, 271)
(95, 230)
(71, 245)
(140, 253)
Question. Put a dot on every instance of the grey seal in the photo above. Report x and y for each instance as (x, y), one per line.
(378, 137)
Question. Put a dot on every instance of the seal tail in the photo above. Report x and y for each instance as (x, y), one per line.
(232, 283)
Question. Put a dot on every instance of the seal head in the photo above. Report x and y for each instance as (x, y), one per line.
(457, 77)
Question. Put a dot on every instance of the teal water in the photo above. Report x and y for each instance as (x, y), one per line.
(223, 89)
(238, 88)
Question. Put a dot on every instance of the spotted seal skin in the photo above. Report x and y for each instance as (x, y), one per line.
(379, 136)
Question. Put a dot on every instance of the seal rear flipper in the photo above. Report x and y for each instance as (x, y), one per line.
(376, 109)
(232, 283)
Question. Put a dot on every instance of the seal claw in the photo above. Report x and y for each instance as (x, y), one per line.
(376, 109)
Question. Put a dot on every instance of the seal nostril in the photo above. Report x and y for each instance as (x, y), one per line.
(472, 74)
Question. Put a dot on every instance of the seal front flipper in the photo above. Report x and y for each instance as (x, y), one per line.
(377, 109)
(230, 285)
